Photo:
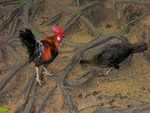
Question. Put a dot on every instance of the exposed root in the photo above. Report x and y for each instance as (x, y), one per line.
(46, 98)
(60, 78)
(128, 27)
(11, 74)
(51, 20)
(13, 14)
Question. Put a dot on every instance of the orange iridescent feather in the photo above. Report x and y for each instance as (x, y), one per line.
(53, 44)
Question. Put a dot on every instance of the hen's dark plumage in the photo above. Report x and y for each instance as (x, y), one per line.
(113, 54)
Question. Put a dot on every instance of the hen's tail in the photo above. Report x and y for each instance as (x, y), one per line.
(28, 40)
(139, 47)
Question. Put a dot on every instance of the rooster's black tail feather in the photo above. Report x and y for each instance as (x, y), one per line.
(28, 40)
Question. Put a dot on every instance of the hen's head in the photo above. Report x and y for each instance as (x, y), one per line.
(59, 31)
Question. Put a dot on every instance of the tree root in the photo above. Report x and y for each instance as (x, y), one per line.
(21, 108)
(71, 21)
(74, 45)
(14, 53)
(6, 68)
(132, 1)
(77, 14)
(82, 79)
(90, 25)
(14, 23)
(128, 110)
(61, 77)
(26, 20)
(32, 99)
(127, 28)
(115, 11)
(35, 9)
(17, 95)
(67, 99)
(13, 14)
(46, 98)
(13, 27)
(11, 74)
(51, 20)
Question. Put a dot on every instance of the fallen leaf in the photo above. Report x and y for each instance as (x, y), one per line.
(3, 109)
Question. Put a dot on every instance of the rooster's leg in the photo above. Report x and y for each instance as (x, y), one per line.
(37, 75)
(46, 72)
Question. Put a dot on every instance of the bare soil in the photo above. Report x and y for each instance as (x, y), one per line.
(130, 87)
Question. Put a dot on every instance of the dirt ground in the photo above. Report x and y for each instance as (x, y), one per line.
(130, 87)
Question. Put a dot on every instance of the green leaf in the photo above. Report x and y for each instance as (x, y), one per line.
(121, 27)
(3, 109)
(21, 1)
(67, 38)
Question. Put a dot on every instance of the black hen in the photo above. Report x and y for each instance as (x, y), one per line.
(113, 54)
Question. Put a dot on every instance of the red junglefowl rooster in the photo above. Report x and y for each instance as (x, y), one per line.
(43, 51)
(113, 54)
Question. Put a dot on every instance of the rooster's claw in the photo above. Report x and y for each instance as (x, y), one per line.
(46, 72)
(38, 80)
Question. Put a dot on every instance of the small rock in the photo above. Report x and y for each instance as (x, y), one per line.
(80, 95)
(95, 93)
(129, 106)
(100, 104)
(142, 88)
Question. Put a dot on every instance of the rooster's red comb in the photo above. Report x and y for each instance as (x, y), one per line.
(57, 29)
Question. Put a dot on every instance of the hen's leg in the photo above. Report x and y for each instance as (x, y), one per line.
(37, 75)
(46, 72)
(108, 70)
(104, 74)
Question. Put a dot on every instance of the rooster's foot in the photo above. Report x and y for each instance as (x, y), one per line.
(38, 80)
(46, 72)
